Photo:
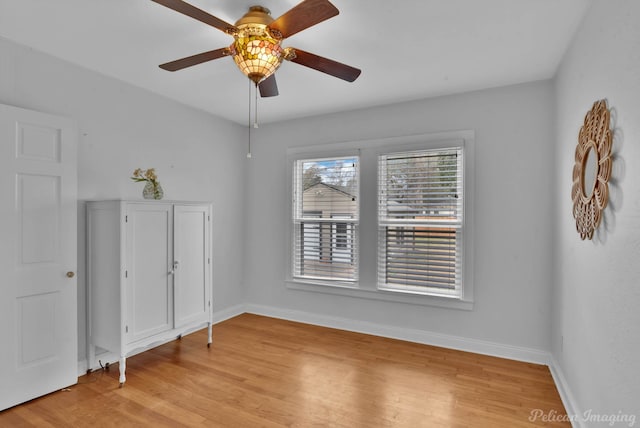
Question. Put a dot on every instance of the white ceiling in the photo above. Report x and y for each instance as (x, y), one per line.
(407, 49)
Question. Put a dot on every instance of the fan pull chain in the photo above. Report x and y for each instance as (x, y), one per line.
(255, 116)
(249, 123)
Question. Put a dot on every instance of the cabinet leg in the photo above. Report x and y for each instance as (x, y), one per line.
(210, 336)
(123, 367)
(91, 356)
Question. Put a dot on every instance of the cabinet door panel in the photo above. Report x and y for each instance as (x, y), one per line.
(149, 283)
(192, 275)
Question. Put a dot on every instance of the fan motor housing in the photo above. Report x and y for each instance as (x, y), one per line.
(256, 15)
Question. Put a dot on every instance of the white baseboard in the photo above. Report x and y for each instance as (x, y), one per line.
(412, 335)
(104, 357)
(528, 355)
(225, 314)
(566, 396)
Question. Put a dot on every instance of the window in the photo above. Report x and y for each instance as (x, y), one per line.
(388, 219)
(420, 221)
(325, 219)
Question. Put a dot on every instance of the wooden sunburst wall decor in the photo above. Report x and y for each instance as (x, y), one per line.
(592, 170)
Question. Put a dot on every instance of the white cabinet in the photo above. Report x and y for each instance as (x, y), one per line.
(148, 274)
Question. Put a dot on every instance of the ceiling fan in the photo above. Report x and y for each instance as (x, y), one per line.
(256, 48)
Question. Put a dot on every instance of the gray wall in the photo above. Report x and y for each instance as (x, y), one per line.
(596, 320)
(197, 156)
(537, 285)
(513, 182)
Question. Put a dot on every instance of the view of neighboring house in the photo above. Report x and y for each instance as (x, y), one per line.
(327, 241)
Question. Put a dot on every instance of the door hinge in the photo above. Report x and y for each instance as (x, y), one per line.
(126, 219)
(126, 329)
(209, 260)
(208, 218)
(209, 303)
(126, 274)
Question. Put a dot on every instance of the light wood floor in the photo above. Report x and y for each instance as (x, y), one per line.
(264, 372)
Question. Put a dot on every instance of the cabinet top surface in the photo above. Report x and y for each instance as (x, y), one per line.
(146, 201)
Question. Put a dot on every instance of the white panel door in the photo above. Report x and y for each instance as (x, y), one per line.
(38, 295)
(149, 263)
(192, 263)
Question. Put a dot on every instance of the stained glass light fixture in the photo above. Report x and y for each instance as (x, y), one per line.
(256, 49)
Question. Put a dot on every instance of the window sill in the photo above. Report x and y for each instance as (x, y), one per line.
(384, 295)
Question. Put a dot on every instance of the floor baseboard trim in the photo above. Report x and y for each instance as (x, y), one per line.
(569, 402)
(225, 314)
(412, 335)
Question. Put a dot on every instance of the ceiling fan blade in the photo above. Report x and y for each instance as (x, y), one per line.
(304, 15)
(326, 65)
(268, 87)
(179, 64)
(199, 14)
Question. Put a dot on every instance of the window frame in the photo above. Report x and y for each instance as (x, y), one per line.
(367, 234)
(436, 225)
(299, 218)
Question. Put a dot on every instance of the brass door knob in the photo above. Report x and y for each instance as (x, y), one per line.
(70, 274)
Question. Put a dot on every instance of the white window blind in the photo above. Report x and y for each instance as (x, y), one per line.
(325, 219)
(420, 224)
